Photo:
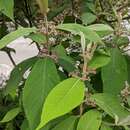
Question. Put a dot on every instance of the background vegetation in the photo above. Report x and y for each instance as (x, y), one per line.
(80, 78)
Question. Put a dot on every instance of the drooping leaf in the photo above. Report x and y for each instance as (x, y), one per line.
(68, 124)
(10, 115)
(88, 18)
(91, 120)
(17, 75)
(43, 4)
(7, 8)
(62, 99)
(111, 105)
(77, 28)
(115, 73)
(14, 35)
(41, 80)
(101, 29)
(98, 60)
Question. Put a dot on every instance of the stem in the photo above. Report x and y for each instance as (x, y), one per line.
(47, 32)
(101, 5)
(28, 11)
(11, 59)
(84, 66)
(81, 110)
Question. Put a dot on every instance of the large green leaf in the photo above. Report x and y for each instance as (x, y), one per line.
(67, 124)
(17, 75)
(7, 7)
(111, 105)
(98, 60)
(41, 80)
(115, 73)
(91, 120)
(77, 28)
(10, 115)
(14, 35)
(62, 99)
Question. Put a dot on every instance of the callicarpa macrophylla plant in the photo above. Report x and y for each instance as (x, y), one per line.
(80, 78)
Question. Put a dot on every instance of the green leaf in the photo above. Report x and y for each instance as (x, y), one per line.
(41, 80)
(101, 29)
(91, 120)
(121, 40)
(7, 8)
(99, 60)
(10, 126)
(115, 73)
(38, 38)
(10, 115)
(77, 28)
(63, 59)
(88, 18)
(126, 128)
(67, 124)
(24, 125)
(62, 99)
(55, 122)
(14, 35)
(17, 75)
(105, 127)
(128, 67)
(43, 4)
(111, 105)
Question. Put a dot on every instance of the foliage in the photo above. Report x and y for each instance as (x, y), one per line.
(80, 78)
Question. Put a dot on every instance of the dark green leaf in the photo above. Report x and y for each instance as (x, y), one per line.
(115, 73)
(17, 75)
(63, 59)
(24, 125)
(41, 80)
(68, 124)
